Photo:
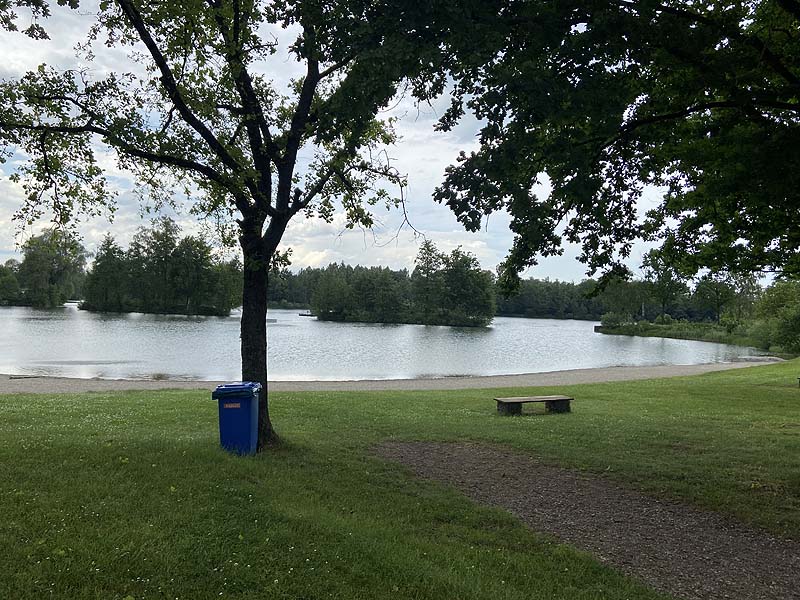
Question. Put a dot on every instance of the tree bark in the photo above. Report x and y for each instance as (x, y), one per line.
(254, 324)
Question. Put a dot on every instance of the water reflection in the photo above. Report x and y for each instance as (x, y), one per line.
(73, 343)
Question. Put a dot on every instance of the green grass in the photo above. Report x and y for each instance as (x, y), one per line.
(128, 495)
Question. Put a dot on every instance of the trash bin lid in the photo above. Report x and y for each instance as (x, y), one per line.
(236, 388)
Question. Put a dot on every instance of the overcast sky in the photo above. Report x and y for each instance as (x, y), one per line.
(421, 153)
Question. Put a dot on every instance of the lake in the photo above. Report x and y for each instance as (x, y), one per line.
(68, 342)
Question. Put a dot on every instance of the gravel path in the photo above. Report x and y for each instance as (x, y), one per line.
(13, 384)
(673, 548)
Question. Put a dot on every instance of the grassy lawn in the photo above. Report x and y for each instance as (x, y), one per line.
(126, 495)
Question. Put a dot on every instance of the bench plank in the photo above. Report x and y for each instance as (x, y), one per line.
(524, 399)
(513, 406)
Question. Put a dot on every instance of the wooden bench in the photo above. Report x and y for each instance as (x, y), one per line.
(552, 404)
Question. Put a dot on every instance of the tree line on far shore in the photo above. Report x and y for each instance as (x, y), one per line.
(51, 272)
(159, 272)
(717, 306)
(162, 272)
(375, 293)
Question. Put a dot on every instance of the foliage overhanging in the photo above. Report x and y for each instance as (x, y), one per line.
(604, 98)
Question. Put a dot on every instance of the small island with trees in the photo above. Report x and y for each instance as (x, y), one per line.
(443, 289)
(158, 273)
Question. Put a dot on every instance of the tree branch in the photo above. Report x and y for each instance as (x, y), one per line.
(236, 133)
(301, 113)
(631, 126)
(335, 67)
(313, 192)
(342, 177)
(130, 150)
(171, 86)
(300, 119)
(234, 110)
(263, 148)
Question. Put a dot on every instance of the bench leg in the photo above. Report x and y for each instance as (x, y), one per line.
(557, 406)
(509, 409)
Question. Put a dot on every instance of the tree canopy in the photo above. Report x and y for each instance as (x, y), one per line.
(51, 271)
(602, 99)
(161, 272)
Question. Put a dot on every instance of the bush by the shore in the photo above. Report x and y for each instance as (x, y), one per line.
(684, 330)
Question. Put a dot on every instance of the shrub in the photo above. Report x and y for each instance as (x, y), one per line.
(762, 332)
(788, 328)
(729, 322)
(612, 319)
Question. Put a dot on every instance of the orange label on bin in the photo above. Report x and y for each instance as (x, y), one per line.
(232, 405)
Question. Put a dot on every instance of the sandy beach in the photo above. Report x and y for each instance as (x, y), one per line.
(16, 384)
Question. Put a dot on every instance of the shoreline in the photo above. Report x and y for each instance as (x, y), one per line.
(21, 384)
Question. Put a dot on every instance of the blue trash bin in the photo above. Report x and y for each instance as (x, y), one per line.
(238, 415)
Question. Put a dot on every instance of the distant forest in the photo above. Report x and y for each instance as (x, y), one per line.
(381, 294)
(378, 293)
(162, 272)
(319, 288)
(159, 272)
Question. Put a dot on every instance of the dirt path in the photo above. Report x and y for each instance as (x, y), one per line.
(673, 548)
(13, 384)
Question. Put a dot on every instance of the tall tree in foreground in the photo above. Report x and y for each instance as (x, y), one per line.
(196, 110)
(601, 99)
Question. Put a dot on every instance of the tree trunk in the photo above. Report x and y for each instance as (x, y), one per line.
(254, 325)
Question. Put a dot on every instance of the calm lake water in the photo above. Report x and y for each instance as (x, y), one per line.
(72, 343)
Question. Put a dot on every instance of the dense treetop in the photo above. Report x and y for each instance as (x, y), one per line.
(443, 289)
(161, 272)
(601, 99)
